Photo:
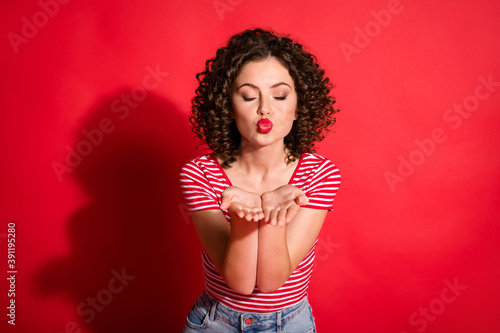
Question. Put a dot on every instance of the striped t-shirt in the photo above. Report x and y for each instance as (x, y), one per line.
(203, 180)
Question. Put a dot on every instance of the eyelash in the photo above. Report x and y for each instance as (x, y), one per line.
(249, 99)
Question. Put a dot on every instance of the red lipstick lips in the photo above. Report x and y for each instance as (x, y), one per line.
(265, 126)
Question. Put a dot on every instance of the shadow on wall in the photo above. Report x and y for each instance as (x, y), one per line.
(133, 266)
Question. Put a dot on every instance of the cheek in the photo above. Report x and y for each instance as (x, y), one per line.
(295, 113)
(292, 107)
(290, 117)
(292, 111)
(242, 122)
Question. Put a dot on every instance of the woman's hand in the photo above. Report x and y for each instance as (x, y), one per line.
(281, 205)
(243, 204)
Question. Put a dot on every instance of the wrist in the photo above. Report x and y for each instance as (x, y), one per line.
(241, 228)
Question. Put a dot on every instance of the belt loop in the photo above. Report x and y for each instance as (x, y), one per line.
(212, 310)
(240, 322)
(278, 320)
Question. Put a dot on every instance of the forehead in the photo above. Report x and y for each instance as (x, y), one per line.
(264, 72)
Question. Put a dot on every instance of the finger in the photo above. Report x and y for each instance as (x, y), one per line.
(302, 200)
(267, 215)
(280, 220)
(226, 201)
(291, 213)
(247, 214)
(238, 211)
(258, 215)
(252, 216)
(273, 217)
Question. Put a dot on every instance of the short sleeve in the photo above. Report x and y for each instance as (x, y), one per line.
(197, 191)
(322, 185)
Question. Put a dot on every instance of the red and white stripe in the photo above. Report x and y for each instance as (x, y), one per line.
(203, 180)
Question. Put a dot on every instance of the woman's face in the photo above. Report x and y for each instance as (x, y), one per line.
(264, 90)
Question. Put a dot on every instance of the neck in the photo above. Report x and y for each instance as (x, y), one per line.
(263, 159)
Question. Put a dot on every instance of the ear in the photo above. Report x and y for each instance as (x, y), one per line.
(295, 115)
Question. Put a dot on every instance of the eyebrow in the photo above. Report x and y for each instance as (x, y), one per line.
(255, 87)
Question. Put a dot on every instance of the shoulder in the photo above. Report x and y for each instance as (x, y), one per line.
(201, 163)
(200, 160)
(196, 167)
(315, 163)
(204, 169)
(200, 185)
(319, 178)
(314, 170)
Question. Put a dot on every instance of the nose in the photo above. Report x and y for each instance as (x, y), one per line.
(264, 107)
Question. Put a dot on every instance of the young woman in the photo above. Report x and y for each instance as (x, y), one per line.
(258, 202)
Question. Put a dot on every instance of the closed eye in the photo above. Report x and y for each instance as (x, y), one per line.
(280, 98)
(248, 99)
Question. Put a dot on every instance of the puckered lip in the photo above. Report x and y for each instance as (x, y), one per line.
(265, 125)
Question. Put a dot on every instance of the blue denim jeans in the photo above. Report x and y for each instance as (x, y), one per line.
(209, 315)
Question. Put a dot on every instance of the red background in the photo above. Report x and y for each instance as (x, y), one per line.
(411, 216)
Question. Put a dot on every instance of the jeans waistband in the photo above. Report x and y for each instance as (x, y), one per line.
(256, 320)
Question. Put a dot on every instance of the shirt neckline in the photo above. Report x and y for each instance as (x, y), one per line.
(224, 174)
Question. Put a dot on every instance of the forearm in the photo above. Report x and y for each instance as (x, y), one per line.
(239, 266)
(273, 262)
(239, 263)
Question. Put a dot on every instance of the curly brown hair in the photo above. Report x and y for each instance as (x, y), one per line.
(212, 110)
